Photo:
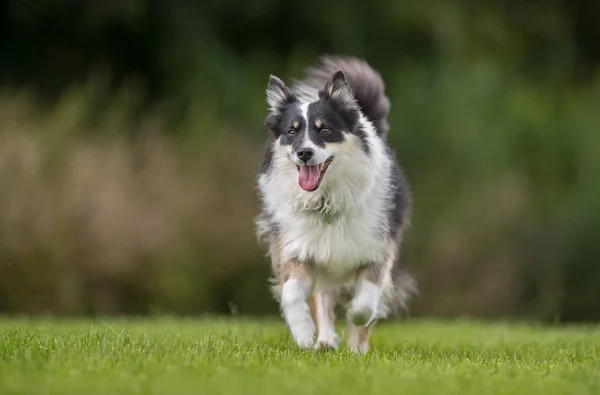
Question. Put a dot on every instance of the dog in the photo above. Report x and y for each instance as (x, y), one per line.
(334, 203)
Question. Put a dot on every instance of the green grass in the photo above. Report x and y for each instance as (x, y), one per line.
(217, 356)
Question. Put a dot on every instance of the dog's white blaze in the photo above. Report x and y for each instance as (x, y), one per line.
(306, 141)
(296, 312)
(354, 195)
(304, 111)
(321, 154)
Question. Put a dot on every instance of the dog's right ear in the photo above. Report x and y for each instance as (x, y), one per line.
(278, 95)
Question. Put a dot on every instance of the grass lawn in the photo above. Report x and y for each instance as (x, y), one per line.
(219, 356)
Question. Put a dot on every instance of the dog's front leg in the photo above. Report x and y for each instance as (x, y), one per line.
(325, 314)
(296, 290)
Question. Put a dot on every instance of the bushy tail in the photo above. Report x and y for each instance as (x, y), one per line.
(367, 84)
(405, 289)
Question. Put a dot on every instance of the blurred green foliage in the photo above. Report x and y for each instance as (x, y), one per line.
(131, 131)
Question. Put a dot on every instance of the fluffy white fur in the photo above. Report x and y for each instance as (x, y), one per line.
(363, 309)
(355, 186)
(297, 313)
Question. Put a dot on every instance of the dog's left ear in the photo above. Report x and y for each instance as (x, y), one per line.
(339, 91)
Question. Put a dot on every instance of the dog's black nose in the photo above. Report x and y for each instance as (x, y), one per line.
(304, 154)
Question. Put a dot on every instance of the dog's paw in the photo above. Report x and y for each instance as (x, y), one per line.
(361, 314)
(359, 348)
(304, 334)
(329, 343)
(304, 342)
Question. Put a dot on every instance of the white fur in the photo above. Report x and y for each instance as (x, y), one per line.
(327, 338)
(304, 111)
(363, 308)
(353, 194)
(306, 93)
(296, 312)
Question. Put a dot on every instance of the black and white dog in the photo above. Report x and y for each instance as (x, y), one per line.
(334, 203)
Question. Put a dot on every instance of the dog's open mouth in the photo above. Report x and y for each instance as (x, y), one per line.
(310, 176)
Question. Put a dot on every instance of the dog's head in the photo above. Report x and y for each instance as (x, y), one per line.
(317, 136)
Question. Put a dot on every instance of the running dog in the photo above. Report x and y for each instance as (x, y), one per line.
(334, 203)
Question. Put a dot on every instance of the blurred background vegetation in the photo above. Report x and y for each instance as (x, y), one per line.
(131, 131)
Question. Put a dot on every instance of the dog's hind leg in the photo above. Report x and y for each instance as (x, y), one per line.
(295, 292)
(366, 306)
(324, 307)
(358, 337)
(367, 296)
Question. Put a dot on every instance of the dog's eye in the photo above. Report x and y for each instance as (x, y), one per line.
(325, 130)
(292, 132)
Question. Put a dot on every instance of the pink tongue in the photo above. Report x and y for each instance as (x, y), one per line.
(308, 177)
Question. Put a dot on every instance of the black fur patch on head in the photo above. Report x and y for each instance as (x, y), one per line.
(288, 125)
(366, 83)
(326, 124)
(328, 119)
(334, 114)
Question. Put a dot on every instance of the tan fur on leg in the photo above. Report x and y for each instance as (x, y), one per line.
(325, 302)
(358, 337)
(312, 305)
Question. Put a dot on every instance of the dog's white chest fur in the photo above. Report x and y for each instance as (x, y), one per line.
(336, 242)
(340, 226)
